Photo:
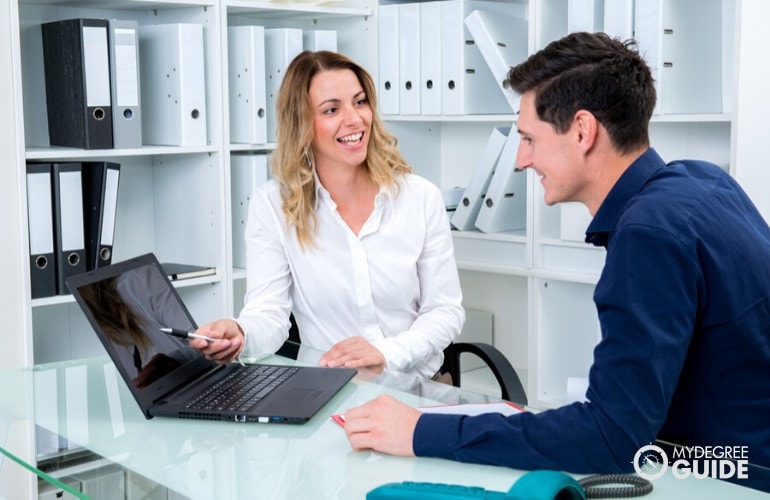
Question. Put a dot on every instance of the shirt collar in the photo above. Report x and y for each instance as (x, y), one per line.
(627, 186)
(385, 195)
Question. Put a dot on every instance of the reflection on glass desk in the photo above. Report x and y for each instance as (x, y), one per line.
(84, 405)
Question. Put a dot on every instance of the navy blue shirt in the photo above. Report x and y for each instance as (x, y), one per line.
(684, 308)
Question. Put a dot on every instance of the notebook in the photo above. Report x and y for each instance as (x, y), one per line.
(128, 302)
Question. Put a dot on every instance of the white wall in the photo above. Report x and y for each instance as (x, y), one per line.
(751, 156)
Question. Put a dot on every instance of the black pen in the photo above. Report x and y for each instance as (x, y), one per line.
(186, 335)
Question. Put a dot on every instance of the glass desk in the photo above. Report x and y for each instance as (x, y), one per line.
(84, 405)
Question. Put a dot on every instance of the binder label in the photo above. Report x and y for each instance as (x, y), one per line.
(40, 220)
(71, 211)
(96, 61)
(110, 206)
(125, 67)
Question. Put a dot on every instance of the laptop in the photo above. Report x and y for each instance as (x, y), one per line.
(127, 304)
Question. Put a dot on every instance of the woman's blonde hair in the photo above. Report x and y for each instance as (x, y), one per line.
(292, 162)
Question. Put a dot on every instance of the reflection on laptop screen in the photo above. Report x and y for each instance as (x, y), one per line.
(130, 309)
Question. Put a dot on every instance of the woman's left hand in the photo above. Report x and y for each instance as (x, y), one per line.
(354, 352)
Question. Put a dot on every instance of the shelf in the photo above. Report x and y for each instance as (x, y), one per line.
(297, 10)
(508, 118)
(125, 5)
(68, 299)
(504, 253)
(252, 147)
(64, 153)
(689, 118)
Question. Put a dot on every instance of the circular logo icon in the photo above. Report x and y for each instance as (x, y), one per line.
(650, 462)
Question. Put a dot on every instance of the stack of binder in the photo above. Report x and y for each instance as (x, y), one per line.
(495, 199)
(92, 83)
(430, 64)
(467, 210)
(502, 42)
(71, 211)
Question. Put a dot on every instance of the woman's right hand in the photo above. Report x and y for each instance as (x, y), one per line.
(229, 343)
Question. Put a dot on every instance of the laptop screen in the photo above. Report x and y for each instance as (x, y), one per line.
(127, 304)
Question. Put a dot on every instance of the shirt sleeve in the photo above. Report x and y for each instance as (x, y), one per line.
(267, 305)
(647, 301)
(440, 314)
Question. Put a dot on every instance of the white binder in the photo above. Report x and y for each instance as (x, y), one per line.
(282, 45)
(505, 203)
(680, 48)
(467, 210)
(388, 80)
(247, 172)
(173, 84)
(409, 58)
(467, 84)
(502, 41)
(316, 40)
(430, 58)
(248, 98)
(619, 18)
(586, 15)
(124, 83)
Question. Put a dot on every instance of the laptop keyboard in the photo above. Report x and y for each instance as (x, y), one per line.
(243, 388)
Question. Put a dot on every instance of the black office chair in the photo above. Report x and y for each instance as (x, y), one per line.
(510, 385)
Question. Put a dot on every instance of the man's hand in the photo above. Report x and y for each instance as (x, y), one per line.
(383, 424)
(354, 352)
(230, 340)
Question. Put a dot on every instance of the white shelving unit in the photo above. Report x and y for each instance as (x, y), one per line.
(546, 323)
(176, 201)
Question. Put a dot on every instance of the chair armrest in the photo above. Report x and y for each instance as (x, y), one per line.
(510, 385)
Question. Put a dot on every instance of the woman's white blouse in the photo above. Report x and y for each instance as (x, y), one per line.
(395, 283)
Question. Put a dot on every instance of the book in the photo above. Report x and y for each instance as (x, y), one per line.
(176, 271)
(471, 409)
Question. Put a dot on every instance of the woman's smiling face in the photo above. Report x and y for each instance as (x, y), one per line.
(342, 118)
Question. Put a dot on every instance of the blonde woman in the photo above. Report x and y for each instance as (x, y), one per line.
(344, 236)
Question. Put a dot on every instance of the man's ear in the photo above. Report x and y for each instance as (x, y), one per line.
(586, 128)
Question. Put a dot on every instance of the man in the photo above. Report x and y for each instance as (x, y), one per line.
(683, 300)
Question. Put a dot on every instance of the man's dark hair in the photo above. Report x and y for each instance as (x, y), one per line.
(595, 72)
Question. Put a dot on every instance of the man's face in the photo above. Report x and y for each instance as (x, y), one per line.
(554, 157)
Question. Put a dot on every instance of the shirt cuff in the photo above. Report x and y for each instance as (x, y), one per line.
(436, 435)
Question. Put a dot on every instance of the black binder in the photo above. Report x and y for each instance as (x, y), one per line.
(41, 233)
(68, 223)
(77, 83)
(100, 199)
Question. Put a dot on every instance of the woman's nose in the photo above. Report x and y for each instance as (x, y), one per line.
(350, 115)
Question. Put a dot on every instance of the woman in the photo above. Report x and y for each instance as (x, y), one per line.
(344, 236)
